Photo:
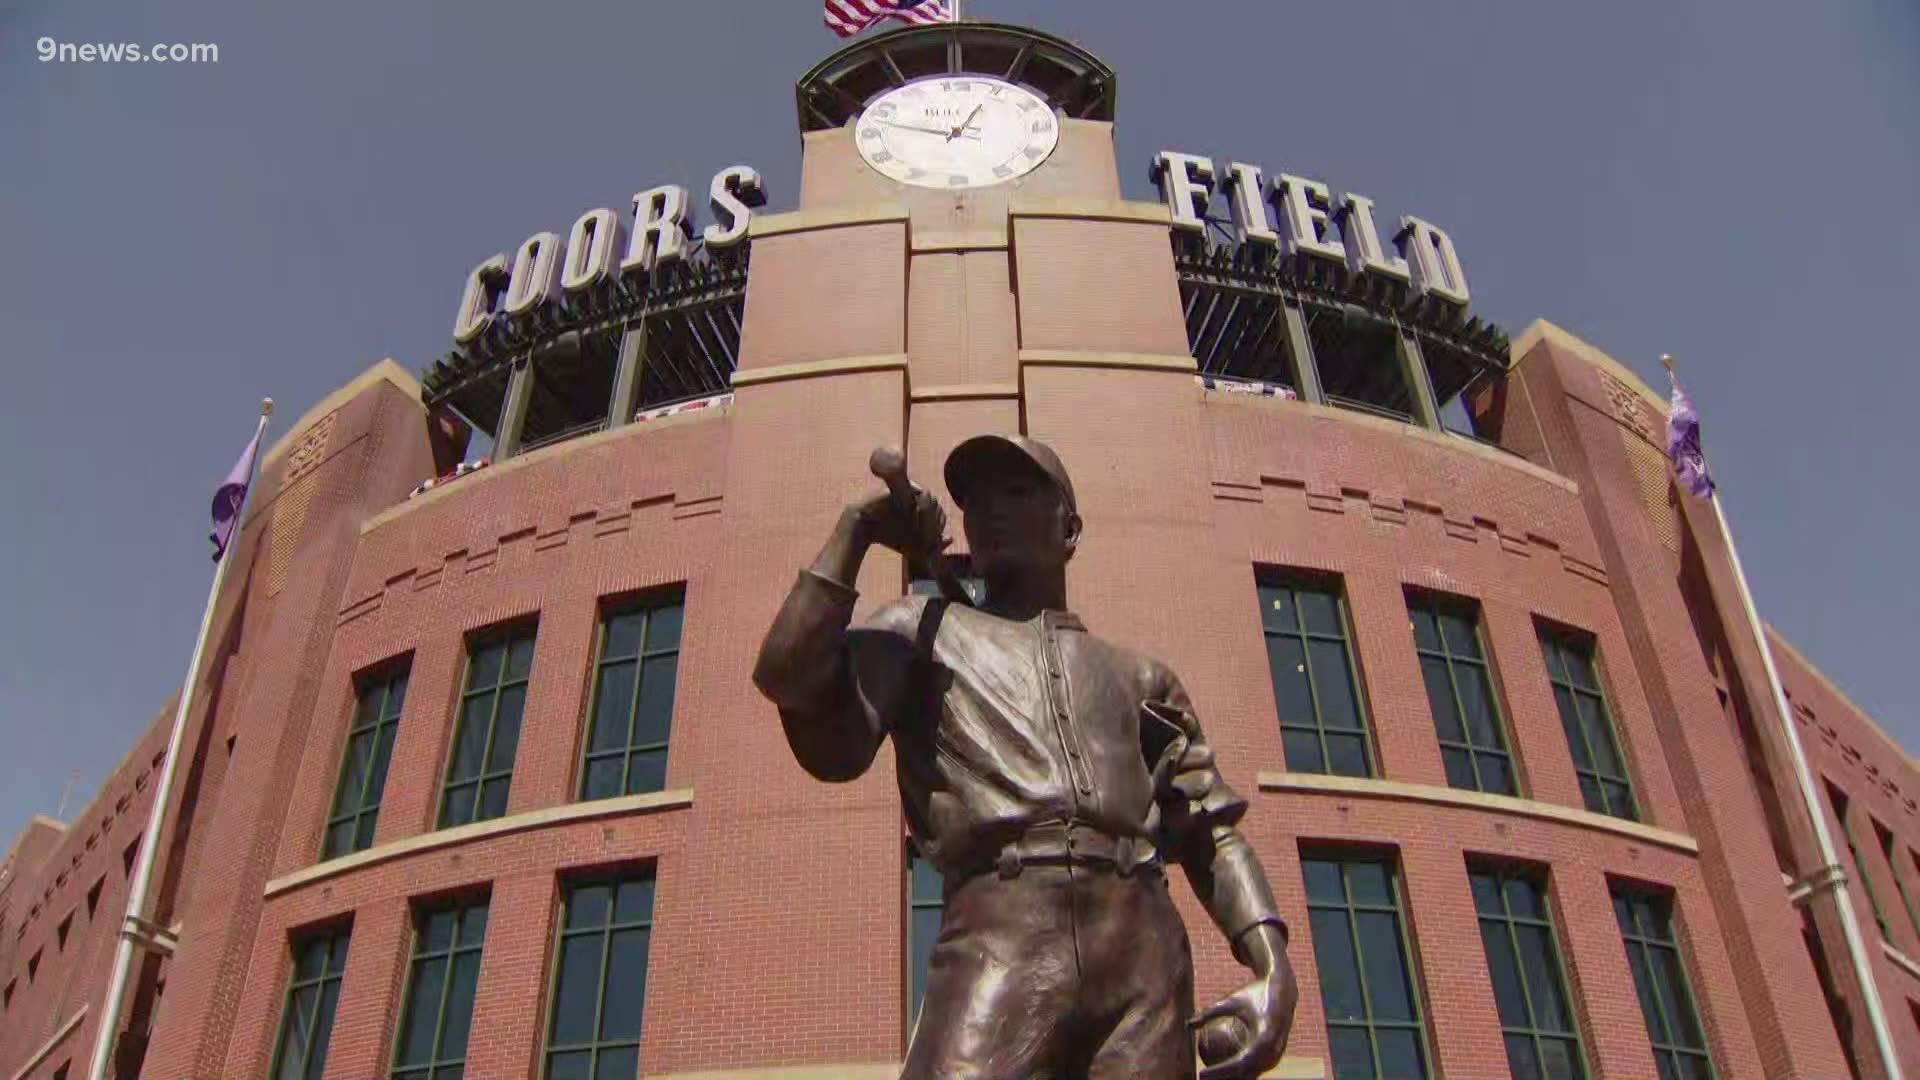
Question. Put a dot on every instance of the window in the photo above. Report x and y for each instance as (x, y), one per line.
(363, 774)
(1646, 925)
(1473, 742)
(924, 905)
(6, 996)
(61, 1072)
(600, 980)
(632, 709)
(306, 1024)
(1374, 1027)
(440, 983)
(33, 964)
(1604, 784)
(1523, 960)
(1358, 357)
(126, 856)
(60, 933)
(1839, 800)
(1322, 725)
(1893, 867)
(93, 897)
(487, 729)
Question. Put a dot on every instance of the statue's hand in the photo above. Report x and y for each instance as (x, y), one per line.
(916, 531)
(1264, 1008)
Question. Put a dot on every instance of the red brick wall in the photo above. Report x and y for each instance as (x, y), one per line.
(1847, 751)
(49, 881)
(1600, 428)
(778, 925)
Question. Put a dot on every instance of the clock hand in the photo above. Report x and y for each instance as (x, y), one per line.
(955, 133)
(912, 127)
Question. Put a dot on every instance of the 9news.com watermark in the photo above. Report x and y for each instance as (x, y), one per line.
(125, 52)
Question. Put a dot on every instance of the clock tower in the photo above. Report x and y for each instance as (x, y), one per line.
(961, 262)
(1044, 126)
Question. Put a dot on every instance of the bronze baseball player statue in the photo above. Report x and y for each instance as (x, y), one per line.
(1047, 774)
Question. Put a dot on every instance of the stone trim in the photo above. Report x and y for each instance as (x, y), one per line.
(1318, 784)
(53, 1043)
(1826, 879)
(1542, 330)
(1900, 960)
(566, 814)
(1127, 210)
(965, 392)
(1135, 361)
(825, 217)
(1410, 430)
(386, 371)
(1290, 1068)
(957, 240)
(846, 365)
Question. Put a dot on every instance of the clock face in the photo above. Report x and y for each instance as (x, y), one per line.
(956, 131)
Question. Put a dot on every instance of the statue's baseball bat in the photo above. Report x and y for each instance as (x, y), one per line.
(889, 463)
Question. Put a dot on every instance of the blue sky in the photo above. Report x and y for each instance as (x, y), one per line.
(1731, 181)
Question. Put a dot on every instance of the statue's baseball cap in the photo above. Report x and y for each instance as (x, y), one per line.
(983, 455)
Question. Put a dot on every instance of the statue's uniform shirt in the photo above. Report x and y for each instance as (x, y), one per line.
(1004, 729)
(1010, 725)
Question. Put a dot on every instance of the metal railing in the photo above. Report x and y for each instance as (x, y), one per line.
(1369, 408)
(588, 428)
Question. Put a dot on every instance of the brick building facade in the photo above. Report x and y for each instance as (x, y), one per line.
(765, 918)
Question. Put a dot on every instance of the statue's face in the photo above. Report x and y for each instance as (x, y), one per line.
(1017, 520)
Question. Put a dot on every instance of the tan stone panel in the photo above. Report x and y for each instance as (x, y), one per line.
(826, 293)
(1360, 787)
(1097, 285)
(960, 319)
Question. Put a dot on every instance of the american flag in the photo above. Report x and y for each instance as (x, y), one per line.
(849, 17)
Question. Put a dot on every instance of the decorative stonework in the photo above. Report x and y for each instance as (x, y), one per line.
(1628, 406)
(1651, 480)
(306, 454)
(1399, 512)
(289, 516)
(607, 522)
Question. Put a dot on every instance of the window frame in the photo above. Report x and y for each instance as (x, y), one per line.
(1437, 604)
(504, 635)
(1887, 845)
(1541, 880)
(913, 904)
(1554, 639)
(341, 934)
(647, 603)
(460, 907)
(380, 677)
(1293, 582)
(1396, 887)
(1841, 804)
(1662, 899)
(568, 886)
(962, 567)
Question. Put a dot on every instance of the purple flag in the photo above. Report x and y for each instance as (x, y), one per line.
(229, 497)
(1683, 442)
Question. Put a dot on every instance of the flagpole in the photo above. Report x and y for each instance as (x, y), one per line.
(1831, 875)
(134, 929)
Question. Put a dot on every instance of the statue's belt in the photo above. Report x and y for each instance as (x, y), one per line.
(1072, 843)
